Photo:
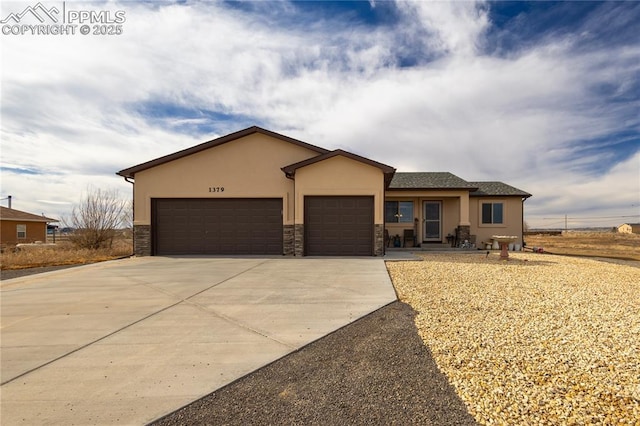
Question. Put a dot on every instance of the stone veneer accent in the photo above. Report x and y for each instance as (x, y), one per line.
(298, 241)
(464, 233)
(378, 242)
(142, 240)
(288, 242)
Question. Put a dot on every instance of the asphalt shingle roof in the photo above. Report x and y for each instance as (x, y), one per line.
(429, 180)
(491, 189)
(13, 214)
(446, 180)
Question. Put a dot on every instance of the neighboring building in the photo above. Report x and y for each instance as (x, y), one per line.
(259, 192)
(629, 228)
(17, 227)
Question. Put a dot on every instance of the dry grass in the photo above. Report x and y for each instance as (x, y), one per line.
(596, 244)
(63, 253)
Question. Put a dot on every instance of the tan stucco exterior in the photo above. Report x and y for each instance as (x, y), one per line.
(512, 219)
(454, 210)
(249, 167)
(459, 209)
(339, 176)
(257, 163)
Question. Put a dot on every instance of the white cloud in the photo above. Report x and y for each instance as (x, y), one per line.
(589, 201)
(72, 106)
(455, 26)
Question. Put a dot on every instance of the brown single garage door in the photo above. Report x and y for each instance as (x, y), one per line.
(217, 226)
(338, 226)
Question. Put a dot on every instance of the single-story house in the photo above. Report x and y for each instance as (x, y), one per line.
(629, 228)
(259, 192)
(17, 227)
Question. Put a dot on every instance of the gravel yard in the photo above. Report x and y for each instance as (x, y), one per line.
(539, 339)
(373, 371)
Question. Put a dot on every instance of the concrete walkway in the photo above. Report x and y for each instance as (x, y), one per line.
(128, 341)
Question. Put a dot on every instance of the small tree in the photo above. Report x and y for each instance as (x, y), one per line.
(127, 219)
(96, 219)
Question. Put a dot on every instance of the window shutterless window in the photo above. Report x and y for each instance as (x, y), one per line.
(492, 213)
(398, 211)
(22, 231)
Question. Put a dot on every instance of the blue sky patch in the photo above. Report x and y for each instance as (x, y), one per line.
(192, 120)
(299, 14)
(517, 25)
(22, 170)
(609, 151)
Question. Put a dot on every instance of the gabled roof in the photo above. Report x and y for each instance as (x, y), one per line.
(13, 214)
(494, 189)
(429, 180)
(388, 171)
(131, 171)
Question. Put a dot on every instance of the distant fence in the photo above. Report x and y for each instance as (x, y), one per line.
(58, 238)
(543, 232)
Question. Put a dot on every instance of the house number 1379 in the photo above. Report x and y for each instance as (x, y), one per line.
(216, 189)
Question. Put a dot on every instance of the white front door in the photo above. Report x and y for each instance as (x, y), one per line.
(432, 221)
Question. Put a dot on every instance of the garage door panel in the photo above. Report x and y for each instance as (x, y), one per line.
(339, 225)
(217, 226)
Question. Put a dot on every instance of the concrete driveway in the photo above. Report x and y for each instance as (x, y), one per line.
(128, 341)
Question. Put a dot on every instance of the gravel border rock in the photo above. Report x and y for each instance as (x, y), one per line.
(7, 274)
(374, 371)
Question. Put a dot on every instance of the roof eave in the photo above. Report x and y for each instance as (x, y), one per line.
(290, 170)
(501, 195)
(439, 188)
(131, 171)
(21, 219)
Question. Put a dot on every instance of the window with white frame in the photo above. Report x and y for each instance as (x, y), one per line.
(492, 213)
(398, 211)
(22, 231)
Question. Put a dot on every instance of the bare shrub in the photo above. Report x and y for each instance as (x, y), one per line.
(96, 219)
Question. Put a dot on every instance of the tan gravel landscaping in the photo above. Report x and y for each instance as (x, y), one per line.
(538, 339)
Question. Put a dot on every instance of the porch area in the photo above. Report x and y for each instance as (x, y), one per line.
(428, 222)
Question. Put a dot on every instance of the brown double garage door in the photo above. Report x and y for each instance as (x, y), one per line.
(217, 226)
(334, 226)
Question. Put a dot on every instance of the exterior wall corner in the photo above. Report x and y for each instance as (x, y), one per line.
(378, 244)
(289, 242)
(142, 240)
(298, 249)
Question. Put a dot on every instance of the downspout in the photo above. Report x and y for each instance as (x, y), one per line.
(295, 196)
(522, 223)
(133, 212)
(384, 217)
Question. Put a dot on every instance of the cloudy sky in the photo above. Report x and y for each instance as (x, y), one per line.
(544, 96)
